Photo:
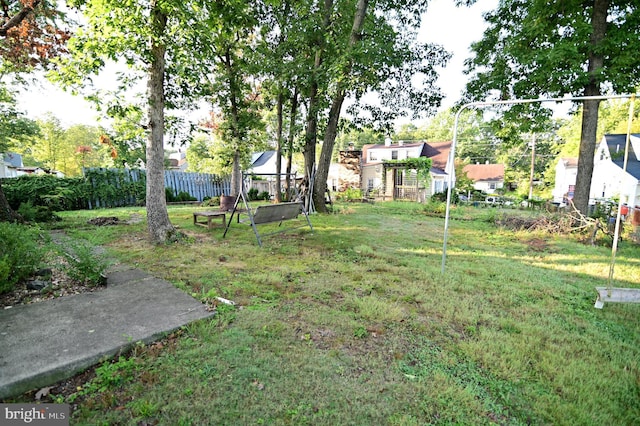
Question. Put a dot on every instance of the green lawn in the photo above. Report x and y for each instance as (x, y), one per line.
(355, 324)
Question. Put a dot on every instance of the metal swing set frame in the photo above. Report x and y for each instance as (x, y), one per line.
(269, 213)
(604, 294)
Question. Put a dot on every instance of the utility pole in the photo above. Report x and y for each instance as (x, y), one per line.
(533, 163)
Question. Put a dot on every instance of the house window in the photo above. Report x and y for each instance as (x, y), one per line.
(492, 185)
(394, 154)
(373, 156)
(370, 184)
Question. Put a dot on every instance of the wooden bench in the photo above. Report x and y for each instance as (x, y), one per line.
(208, 216)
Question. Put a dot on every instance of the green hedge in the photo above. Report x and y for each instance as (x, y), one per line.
(45, 190)
(99, 188)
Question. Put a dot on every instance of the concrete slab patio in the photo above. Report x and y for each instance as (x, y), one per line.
(52, 340)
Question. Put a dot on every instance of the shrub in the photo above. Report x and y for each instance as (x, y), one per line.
(32, 213)
(211, 202)
(55, 193)
(21, 249)
(352, 194)
(442, 197)
(264, 195)
(185, 196)
(169, 195)
(252, 194)
(83, 264)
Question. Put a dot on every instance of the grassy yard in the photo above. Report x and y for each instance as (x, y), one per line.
(355, 324)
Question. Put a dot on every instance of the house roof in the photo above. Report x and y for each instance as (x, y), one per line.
(12, 159)
(261, 158)
(616, 144)
(484, 172)
(439, 154)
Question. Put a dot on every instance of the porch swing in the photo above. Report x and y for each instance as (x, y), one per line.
(609, 293)
(269, 213)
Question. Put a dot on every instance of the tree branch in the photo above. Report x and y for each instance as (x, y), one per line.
(18, 18)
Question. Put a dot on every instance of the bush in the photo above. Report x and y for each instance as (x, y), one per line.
(83, 265)
(32, 213)
(169, 195)
(264, 195)
(442, 197)
(211, 202)
(351, 194)
(252, 194)
(55, 193)
(21, 249)
(185, 196)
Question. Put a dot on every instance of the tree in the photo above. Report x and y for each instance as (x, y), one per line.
(50, 149)
(30, 36)
(14, 128)
(232, 89)
(166, 42)
(375, 50)
(535, 48)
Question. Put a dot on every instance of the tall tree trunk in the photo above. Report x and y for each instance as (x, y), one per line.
(278, 194)
(311, 132)
(159, 226)
(292, 126)
(331, 131)
(588, 142)
(7, 214)
(236, 177)
(324, 163)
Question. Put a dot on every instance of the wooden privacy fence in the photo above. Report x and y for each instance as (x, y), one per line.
(127, 187)
(198, 185)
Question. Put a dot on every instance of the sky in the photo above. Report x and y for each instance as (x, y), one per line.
(455, 28)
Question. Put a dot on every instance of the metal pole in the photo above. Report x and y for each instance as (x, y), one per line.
(616, 234)
(490, 103)
(533, 168)
(450, 181)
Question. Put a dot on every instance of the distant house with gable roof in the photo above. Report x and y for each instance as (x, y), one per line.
(565, 185)
(10, 164)
(397, 182)
(486, 177)
(609, 179)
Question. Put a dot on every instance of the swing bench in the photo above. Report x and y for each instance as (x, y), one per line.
(268, 213)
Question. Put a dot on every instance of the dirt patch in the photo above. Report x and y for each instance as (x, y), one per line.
(537, 244)
(104, 221)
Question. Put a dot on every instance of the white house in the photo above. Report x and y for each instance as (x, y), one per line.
(566, 172)
(9, 164)
(178, 161)
(609, 179)
(398, 183)
(486, 177)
